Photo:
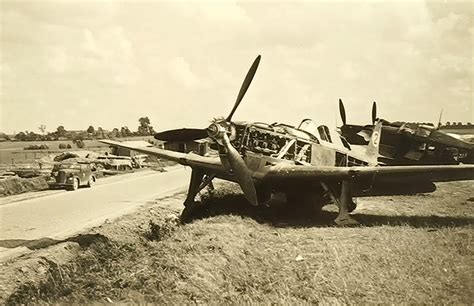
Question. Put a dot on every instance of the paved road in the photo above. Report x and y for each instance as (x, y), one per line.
(62, 214)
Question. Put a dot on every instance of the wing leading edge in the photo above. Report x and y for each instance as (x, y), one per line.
(305, 172)
(187, 159)
(283, 171)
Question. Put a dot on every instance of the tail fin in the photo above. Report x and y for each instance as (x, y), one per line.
(372, 151)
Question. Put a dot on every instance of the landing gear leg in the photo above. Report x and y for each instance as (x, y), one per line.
(198, 181)
(352, 205)
(344, 203)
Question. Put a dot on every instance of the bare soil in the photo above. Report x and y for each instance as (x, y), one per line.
(408, 249)
(16, 185)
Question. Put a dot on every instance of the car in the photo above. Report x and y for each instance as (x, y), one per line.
(72, 175)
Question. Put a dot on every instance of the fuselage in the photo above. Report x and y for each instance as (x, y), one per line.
(262, 145)
(278, 142)
(405, 143)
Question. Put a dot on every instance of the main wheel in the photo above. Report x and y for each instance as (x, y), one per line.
(75, 185)
(91, 181)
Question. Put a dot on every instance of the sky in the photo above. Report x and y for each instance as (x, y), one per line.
(181, 63)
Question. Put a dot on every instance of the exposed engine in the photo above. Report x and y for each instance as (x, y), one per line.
(272, 140)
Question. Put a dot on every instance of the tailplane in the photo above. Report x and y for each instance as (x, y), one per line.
(372, 151)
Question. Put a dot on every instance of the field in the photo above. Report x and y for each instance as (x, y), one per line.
(12, 152)
(408, 249)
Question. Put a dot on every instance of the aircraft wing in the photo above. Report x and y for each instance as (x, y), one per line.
(188, 159)
(444, 173)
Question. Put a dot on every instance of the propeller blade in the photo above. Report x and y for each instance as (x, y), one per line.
(182, 135)
(245, 85)
(240, 170)
(374, 112)
(439, 120)
(342, 111)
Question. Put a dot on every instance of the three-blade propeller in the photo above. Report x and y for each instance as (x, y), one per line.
(220, 131)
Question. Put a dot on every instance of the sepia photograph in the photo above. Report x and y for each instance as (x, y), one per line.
(236, 152)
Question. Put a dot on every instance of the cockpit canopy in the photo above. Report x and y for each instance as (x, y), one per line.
(309, 126)
(321, 132)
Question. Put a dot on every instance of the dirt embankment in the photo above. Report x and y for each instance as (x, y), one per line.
(409, 250)
(16, 185)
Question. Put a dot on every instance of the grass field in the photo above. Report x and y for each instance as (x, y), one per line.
(13, 151)
(408, 249)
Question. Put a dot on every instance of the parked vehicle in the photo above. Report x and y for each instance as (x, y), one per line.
(118, 163)
(72, 175)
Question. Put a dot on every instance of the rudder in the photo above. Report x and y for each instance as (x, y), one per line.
(372, 150)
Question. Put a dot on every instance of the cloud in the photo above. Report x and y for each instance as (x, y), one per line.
(181, 72)
(108, 44)
(412, 57)
(59, 61)
(349, 71)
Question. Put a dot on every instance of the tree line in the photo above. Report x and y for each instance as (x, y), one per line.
(144, 129)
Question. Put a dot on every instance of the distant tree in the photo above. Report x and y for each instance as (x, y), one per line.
(50, 136)
(20, 136)
(114, 133)
(42, 128)
(4, 136)
(125, 131)
(100, 132)
(91, 130)
(61, 131)
(30, 136)
(144, 121)
(145, 127)
(79, 142)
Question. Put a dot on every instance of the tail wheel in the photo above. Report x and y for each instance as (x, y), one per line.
(91, 181)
